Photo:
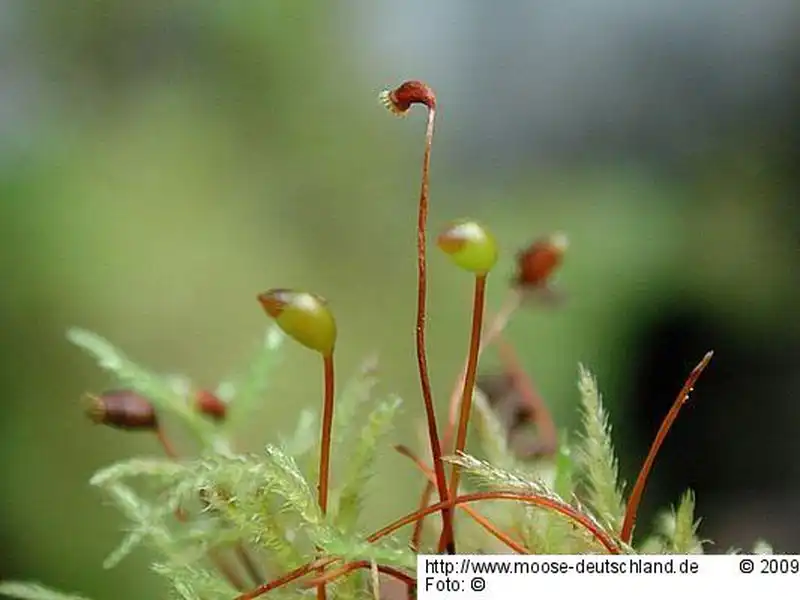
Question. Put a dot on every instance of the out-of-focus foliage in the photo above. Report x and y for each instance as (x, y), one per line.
(264, 504)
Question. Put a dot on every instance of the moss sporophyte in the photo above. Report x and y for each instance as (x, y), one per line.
(227, 525)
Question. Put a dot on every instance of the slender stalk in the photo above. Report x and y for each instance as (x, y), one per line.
(422, 360)
(325, 444)
(166, 443)
(327, 425)
(537, 500)
(641, 481)
(543, 501)
(479, 300)
(472, 371)
(500, 321)
(475, 515)
(546, 427)
(284, 579)
(399, 101)
(425, 500)
(348, 568)
(491, 333)
(493, 330)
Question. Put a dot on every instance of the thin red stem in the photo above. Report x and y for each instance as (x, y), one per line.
(425, 500)
(283, 580)
(327, 425)
(363, 564)
(325, 444)
(542, 501)
(476, 516)
(166, 444)
(478, 302)
(422, 360)
(546, 427)
(493, 331)
(500, 321)
(641, 481)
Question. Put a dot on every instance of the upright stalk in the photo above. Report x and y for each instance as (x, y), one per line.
(307, 318)
(491, 333)
(493, 330)
(400, 101)
(325, 447)
(327, 425)
(478, 302)
(471, 247)
(477, 517)
(641, 481)
(422, 361)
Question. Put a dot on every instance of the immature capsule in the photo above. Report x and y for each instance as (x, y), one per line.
(122, 409)
(470, 246)
(537, 262)
(302, 316)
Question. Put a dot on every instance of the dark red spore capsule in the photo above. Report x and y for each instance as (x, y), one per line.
(122, 409)
(536, 264)
(211, 405)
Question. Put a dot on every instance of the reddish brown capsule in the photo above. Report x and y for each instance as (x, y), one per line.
(400, 99)
(211, 405)
(122, 409)
(536, 264)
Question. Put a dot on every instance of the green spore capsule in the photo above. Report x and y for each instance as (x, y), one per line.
(303, 316)
(470, 246)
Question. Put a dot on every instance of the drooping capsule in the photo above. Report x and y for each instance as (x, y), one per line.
(470, 246)
(400, 100)
(211, 405)
(303, 316)
(536, 264)
(122, 409)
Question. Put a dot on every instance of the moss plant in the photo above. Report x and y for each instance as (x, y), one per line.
(231, 526)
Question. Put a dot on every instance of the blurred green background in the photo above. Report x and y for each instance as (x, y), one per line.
(162, 163)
